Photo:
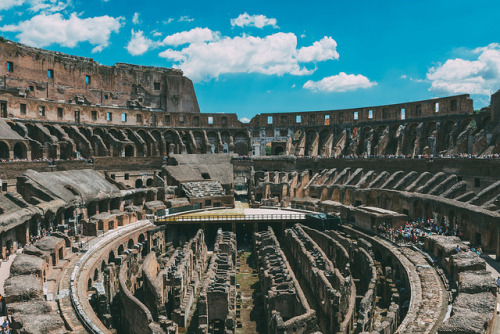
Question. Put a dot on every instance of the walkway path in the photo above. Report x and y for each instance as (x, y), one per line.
(252, 307)
(5, 271)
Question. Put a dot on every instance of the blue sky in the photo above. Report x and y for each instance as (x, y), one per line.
(250, 57)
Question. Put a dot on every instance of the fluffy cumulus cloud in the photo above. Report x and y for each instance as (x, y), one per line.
(340, 83)
(139, 44)
(275, 54)
(49, 6)
(321, 50)
(258, 21)
(478, 76)
(244, 120)
(196, 35)
(46, 29)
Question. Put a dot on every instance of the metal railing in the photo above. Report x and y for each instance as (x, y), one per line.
(230, 218)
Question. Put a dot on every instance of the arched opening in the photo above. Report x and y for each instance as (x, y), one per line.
(139, 183)
(96, 274)
(279, 150)
(150, 196)
(141, 238)
(129, 151)
(89, 284)
(120, 250)
(130, 244)
(103, 266)
(20, 151)
(111, 257)
(4, 150)
(241, 149)
(149, 182)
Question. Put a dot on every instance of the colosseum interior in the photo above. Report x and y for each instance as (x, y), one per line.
(124, 209)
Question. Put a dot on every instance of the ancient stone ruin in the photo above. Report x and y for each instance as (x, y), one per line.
(125, 209)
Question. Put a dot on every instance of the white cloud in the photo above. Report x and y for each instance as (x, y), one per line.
(196, 35)
(8, 4)
(293, 86)
(479, 76)
(404, 76)
(185, 19)
(135, 18)
(339, 83)
(47, 6)
(244, 120)
(46, 29)
(274, 54)
(174, 55)
(258, 21)
(139, 44)
(156, 33)
(167, 21)
(324, 49)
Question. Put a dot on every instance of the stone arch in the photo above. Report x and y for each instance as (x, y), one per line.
(101, 148)
(150, 145)
(199, 142)
(213, 140)
(150, 196)
(446, 137)
(4, 150)
(120, 249)
(324, 138)
(115, 133)
(130, 243)
(226, 142)
(139, 183)
(311, 143)
(129, 151)
(171, 142)
(241, 149)
(410, 138)
(20, 151)
(157, 136)
(392, 142)
(96, 274)
(111, 257)
(186, 141)
(142, 238)
(428, 132)
(279, 150)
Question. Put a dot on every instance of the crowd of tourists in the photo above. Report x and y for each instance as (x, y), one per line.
(407, 156)
(415, 230)
(50, 161)
(43, 233)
